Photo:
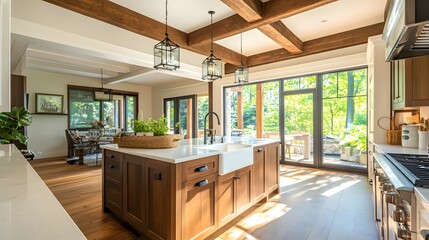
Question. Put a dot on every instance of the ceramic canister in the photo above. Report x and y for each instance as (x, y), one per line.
(410, 136)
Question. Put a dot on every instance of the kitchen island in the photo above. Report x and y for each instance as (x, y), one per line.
(178, 193)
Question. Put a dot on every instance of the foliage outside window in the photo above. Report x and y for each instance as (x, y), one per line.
(84, 111)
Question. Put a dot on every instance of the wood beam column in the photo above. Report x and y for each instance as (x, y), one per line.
(189, 119)
(210, 90)
(240, 109)
(259, 110)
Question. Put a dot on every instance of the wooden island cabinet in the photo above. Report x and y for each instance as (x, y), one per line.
(187, 200)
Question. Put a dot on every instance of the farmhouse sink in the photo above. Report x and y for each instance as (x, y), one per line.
(233, 156)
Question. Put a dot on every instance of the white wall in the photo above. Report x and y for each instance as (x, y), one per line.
(5, 19)
(338, 59)
(46, 133)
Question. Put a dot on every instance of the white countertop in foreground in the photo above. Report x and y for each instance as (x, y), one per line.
(187, 149)
(28, 209)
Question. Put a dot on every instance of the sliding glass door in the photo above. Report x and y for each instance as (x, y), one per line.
(181, 114)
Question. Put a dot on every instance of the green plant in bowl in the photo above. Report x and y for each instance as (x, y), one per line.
(138, 125)
(11, 124)
(160, 126)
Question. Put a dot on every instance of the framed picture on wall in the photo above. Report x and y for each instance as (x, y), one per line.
(49, 103)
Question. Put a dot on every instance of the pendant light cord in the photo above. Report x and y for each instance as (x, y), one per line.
(211, 30)
(102, 79)
(241, 48)
(166, 14)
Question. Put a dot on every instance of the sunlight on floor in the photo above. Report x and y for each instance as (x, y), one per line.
(340, 188)
(263, 215)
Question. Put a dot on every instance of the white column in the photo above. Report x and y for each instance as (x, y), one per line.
(5, 20)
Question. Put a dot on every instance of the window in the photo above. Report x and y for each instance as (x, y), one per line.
(252, 109)
(83, 110)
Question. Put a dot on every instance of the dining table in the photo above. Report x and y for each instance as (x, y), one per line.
(305, 136)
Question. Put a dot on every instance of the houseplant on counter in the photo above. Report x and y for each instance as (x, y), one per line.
(11, 124)
(160, 139)
(142, 128)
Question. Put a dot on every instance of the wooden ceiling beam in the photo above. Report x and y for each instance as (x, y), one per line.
(117, 15)
(250, 10)
(337, 41)
(273, 11)
(279, 33)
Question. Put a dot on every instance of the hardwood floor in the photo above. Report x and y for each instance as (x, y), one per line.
(312, 204)
(78, 189)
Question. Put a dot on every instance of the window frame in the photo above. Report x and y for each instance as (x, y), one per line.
(114, 92)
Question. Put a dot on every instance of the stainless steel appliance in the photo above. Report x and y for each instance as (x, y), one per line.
(406, 31)
(395, 176)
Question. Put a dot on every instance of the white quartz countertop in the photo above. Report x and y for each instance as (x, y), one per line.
(187, 150)
(28, 209)
(386, 148)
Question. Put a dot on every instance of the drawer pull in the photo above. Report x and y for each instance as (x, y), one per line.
(201, 183)
(260, 150)
(112, 156)
(111, 166)
(201, 169)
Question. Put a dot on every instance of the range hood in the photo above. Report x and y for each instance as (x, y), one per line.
(406, 30)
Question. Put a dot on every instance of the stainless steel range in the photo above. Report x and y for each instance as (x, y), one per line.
(395, 176)
(414, 166)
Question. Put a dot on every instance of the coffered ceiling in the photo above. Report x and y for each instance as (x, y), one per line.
(272, 31)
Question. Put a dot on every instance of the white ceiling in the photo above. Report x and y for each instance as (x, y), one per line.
(187, 16)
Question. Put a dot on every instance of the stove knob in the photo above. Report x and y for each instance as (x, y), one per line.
(392, 198)
(387, 187)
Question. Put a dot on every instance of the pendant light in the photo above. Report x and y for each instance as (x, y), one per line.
(166, 53)
(242, 72)
(102, 94)
(212, 66)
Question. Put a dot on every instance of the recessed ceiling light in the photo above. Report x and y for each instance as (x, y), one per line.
(323, 21)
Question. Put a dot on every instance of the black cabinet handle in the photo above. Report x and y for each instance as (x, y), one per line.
(111, 166)
(237, 177)
(201, 183)
(260, 150)
(112, 156)
(201, 169)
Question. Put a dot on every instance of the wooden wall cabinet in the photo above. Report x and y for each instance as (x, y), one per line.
(410, 83)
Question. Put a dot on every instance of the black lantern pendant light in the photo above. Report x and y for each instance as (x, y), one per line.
(212, 66)
(102, 94)
(166, 53)
(242, 72)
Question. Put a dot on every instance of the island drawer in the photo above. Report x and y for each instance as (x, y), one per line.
(199, 168)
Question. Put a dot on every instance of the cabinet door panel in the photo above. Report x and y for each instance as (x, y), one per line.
(226, 198)
(272, 167)
(134, 187)
(113, 197)
(198, 209)
(258, 170)
(420, 87)
(244, 189)
(158, 197)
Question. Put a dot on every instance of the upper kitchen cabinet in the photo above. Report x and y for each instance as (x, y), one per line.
(410, 82)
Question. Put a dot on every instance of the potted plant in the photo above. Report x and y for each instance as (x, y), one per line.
(11, 124)
(160, 126)
(142, 128)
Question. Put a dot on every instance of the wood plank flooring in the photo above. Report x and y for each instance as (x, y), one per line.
(312, 204)
(78, 189)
